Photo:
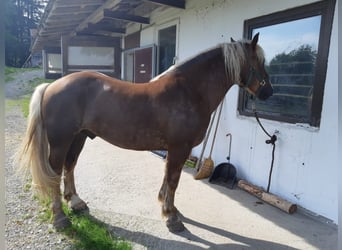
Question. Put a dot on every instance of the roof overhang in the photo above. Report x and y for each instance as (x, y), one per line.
(94, 17)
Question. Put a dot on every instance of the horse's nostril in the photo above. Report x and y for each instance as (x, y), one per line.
(265, 93)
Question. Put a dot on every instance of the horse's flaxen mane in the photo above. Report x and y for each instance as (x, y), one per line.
(235, 55)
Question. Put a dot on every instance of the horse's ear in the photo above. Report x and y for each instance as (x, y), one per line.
(255, 40)
(232, 40)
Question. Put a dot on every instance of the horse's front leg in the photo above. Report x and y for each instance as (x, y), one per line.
(175, 160)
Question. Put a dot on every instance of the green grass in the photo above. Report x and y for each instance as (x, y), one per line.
(85, 231)
(90, 234)
(24, 101)
(25, 104)
(35, 82)
(10, 71)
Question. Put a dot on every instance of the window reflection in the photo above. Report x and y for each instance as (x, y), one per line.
(291, 52)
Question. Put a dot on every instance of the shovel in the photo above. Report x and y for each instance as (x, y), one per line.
(225, 173)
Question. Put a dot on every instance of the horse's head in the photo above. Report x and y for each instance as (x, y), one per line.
(254, 77)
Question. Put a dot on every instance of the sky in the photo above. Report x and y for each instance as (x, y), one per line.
(285, 37)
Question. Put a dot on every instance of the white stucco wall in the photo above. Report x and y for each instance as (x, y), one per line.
(305, 167)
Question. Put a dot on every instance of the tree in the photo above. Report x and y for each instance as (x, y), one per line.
(298, 61)
(292, 75)
(20, 17)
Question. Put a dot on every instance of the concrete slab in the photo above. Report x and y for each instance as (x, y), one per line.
(121, 188)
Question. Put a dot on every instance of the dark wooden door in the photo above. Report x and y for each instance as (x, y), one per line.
(143, 65)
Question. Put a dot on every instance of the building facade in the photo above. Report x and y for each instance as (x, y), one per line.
(305, 162)
(299, 38)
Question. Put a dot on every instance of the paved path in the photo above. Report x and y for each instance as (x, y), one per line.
(121, 189)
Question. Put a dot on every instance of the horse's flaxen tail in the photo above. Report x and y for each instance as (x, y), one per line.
(33, 155)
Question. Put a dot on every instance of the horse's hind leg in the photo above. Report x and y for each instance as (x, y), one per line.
(56, 158)
(175, 160)
(70, 194)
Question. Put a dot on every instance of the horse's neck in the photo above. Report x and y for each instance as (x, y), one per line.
(214, 84)
(206, 75)
(216, 93)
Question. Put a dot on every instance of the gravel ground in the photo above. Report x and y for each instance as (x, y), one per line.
(24, 229)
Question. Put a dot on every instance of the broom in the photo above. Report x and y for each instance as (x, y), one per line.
(208, 164)
(197, 167)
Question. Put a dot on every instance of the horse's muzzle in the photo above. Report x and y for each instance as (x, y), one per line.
(265, 92)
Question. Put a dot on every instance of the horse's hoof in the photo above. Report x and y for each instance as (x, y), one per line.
(61, 222)
(77, 205)
(175, 225)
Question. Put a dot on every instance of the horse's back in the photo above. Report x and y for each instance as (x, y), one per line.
(118, 111)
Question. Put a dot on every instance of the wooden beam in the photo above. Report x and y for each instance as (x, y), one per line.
(67, 16)
(67, 23)
(76, 2)
(80, 3)
(55, 32)
(96, 16)
(171, 3)
(70, 12)
(125, 17)
(100, 27)
(97, 34)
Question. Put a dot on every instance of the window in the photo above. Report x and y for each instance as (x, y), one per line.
(91, 53)
(52, 62)
(167, 47)
(89, 56)
(296, 44)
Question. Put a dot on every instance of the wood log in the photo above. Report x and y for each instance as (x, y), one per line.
(271, 199)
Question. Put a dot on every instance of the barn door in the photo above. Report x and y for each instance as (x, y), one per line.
(143, 65)
(139, 64)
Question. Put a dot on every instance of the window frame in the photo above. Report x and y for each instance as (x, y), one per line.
(323, 8)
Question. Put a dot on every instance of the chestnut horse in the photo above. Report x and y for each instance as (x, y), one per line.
(171, 112)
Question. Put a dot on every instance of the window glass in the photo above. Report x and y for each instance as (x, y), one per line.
(291, 53)
(82, 55)
(167, 48)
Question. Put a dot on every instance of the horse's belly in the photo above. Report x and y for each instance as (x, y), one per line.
(137, 140)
